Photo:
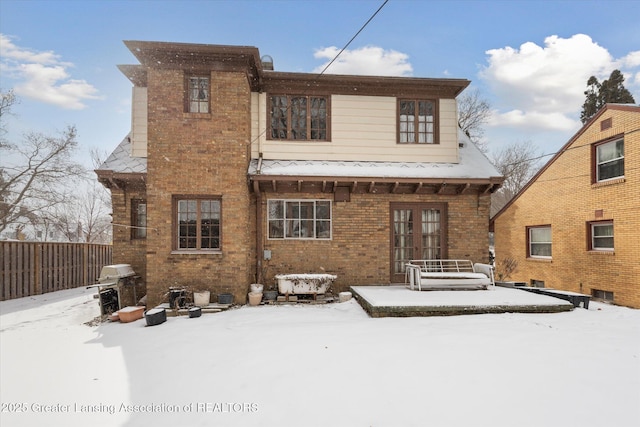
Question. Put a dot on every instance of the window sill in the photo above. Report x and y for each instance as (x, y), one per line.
(592, 252)
(198, 116)
(539, 259)
(609, 182)
(193, 252)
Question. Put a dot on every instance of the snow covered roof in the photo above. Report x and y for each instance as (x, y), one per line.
(120, 161)
(473, 164)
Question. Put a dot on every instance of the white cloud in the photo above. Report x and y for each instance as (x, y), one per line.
(543, 86)
(43, 76)
(368, 60)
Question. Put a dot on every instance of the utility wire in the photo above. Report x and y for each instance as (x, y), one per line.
(333, 60)
(353, 38)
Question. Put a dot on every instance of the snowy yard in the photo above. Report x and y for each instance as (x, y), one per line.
(327, 365)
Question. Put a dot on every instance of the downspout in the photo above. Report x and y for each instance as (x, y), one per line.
(256, 190)
(259, 246)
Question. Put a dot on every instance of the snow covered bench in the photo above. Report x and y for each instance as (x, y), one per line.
(447, 274)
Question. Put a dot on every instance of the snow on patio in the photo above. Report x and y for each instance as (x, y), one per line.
(316, 366)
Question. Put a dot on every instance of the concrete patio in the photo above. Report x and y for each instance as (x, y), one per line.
(399, 301)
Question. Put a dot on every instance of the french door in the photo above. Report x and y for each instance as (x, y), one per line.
(418, 231)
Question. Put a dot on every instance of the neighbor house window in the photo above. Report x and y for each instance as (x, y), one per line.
(138, 219)
(197, 94)
(600, 236)
(197, 223)
(609, 160)
(416, 121)
(299, 117)
(602, 295)
(299, 219)
(539, 242)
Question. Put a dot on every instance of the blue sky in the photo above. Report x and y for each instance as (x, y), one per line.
(529, 59)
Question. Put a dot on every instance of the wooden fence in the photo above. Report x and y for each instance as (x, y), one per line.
(33, 268)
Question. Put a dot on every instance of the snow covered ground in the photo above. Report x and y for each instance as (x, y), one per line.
(328, 365)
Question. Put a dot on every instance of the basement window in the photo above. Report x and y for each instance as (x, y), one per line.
(602, 295)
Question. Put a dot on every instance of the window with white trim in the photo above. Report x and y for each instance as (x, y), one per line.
(601, 236)
(299, 219)
(539, 241)
(609, 160)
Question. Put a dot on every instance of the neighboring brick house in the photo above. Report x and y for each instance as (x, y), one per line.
(239, 172)
(576, 225)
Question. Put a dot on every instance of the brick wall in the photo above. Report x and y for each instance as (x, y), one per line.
(199, 154)
(359, 252)
(564, 197)
(125, 249)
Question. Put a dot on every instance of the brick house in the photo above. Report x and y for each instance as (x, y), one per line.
(233, 173)
(576, 225)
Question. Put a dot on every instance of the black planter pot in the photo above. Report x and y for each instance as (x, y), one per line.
(270, 295)
(155, 316)
(195, 312)
(225, 298)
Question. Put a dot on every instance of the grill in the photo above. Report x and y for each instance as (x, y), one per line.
(113, 278)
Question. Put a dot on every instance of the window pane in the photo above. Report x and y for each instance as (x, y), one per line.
(198, 94)
(540, 234)
(279, 117)
(323, 210)
(299, 118)
(209, 224)
(541, 249)
(610, 160)
(602, 236)
(610, 151)
(299, 219)
(603, 230)
(612, 169)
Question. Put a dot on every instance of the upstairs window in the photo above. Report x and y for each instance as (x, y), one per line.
(539, 242)
(197, 223)
(416, 122)
(299, 219)
(197, 94)
(299, 117)
(609, 160)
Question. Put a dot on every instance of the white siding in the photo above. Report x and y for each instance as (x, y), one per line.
(139, 122)
(362, 128)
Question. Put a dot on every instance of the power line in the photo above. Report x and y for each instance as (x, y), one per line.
(353, 38)
(333, 60)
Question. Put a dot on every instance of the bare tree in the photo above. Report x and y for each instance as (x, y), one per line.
(518, 163)
(473, 114)
(7, 101)
(86, 218)
(30, 183)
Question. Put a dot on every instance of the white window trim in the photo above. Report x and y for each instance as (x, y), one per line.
(529, 242)
(593, 246)
(598, 163)
(314, 220)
